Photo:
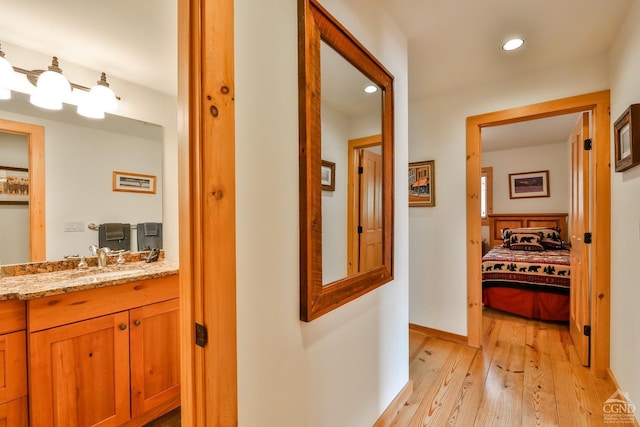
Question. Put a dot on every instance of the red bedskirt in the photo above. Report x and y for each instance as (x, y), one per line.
(533, 305)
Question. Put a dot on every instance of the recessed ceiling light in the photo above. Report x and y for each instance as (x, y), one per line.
(371, 89)
(513, 44)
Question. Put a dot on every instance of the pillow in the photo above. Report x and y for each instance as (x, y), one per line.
(526, 241)
(551, 238)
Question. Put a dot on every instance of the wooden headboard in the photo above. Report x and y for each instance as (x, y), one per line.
(499, 221)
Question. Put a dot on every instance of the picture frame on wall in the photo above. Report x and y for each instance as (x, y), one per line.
(328, 175)
(134, 182)
(527, 185)
(14, 186)
(422, 183)
(626, 135)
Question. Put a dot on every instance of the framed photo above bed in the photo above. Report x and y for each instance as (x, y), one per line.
(529, 184)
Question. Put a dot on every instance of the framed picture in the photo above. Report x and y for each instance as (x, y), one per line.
(422, 183)
(626, 134)
(529, 184)
(14, 186)
(328, 176)
(134, 182)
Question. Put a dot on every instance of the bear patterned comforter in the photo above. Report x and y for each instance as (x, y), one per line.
(543, 271)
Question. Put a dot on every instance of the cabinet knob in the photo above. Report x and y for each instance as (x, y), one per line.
(123, 327)
(137, 322)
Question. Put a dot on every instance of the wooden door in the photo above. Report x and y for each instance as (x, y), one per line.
(155, 360)
(79, 373)
(579, 220)
(370, 211)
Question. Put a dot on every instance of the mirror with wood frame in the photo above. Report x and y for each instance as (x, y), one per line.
(346, 251)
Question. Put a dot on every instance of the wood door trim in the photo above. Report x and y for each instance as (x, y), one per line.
(206, 172)
(598, 103)
(35, 147)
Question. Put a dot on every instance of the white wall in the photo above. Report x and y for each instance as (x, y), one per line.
(137, 103)
(344, 368)
(14, 219)
(437, 128)
(551, 157)
(625, 213)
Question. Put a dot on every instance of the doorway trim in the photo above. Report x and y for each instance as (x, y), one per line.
(598, 104)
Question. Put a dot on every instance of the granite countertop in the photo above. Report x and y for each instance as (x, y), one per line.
(31, 286)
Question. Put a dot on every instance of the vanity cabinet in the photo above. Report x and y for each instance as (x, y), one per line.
(13, 364)
(105, 357)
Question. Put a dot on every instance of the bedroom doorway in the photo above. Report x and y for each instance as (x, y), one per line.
(598, 105)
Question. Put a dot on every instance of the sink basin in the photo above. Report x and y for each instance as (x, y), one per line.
(112, 274)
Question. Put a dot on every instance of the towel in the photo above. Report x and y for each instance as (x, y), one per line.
(114, 231)
(150, 228)
(115, 236)
(149, 235)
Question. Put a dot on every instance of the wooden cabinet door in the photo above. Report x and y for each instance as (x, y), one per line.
(14, 413)
(155, 361)
(13, 366)
(79, 373)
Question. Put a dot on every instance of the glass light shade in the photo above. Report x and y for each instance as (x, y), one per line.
(104, 97)
(51, 89)
(513, 44)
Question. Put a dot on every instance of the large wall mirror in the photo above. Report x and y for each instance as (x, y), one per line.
(69, 162)
(346, 165)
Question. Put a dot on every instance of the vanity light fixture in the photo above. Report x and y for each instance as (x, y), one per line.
(51, 89)
(371, 89)
(513, 44)
(99, 100)
(6, 77)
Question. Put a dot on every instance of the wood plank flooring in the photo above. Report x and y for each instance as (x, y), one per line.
(526, 374)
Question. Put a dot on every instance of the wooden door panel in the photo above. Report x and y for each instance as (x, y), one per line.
(155, 360)
(579, 218)
(13, 366)
(14, 413)
(80, 373)
(371, 211)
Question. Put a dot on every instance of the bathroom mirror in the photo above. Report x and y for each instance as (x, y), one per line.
(346, 229)
(78, 157)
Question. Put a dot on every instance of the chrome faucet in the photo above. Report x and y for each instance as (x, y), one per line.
(103, 257)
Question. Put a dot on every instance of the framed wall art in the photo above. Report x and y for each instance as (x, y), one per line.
(529, 184)
(328, 176)
(422, 184)
(14, 186)
(134, 182)
(626, 136)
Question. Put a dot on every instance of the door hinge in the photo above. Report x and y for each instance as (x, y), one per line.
(588, 144)
(360, 170)
(202, 336)
(587, 330)
(359, 229)
(587, 238)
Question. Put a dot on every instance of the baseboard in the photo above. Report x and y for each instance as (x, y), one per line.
(447, 336)
(389, 415)
(618, 388)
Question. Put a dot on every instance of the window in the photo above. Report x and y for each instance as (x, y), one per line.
(486, 194)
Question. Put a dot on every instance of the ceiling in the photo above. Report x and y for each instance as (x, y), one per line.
(452, 44)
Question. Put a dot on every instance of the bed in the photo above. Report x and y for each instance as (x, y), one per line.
(527, 270)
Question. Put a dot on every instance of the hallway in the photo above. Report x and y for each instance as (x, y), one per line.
(527, 373)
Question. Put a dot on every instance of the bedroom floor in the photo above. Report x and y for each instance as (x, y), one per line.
(527, 373)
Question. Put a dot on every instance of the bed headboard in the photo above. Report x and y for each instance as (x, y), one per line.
(499, 221)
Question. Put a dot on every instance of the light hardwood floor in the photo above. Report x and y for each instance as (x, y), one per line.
(526, 374)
